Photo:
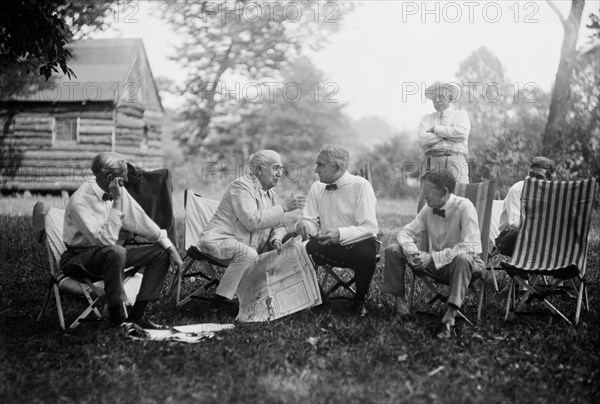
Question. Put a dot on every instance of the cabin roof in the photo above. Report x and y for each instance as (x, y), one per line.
(104, 70)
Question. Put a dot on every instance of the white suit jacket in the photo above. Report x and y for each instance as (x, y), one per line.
(247, 214)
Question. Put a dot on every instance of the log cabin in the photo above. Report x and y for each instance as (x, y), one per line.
(51, 130)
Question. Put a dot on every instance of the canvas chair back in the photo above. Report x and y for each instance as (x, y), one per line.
(555, 222)
(482, 196)
(53, 227)
(365, 172)
(153, 189)
(198, 212)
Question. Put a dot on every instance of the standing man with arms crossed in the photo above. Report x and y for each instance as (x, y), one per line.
(338, 207)
(94, 216)
(247, 222)
(444, 134)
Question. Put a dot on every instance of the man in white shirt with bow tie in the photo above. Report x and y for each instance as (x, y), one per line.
(338, 207)
(247, 222)
(444, 134)
(94, 217)
(452, 224)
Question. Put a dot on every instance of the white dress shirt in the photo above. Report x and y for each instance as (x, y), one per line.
(92, 222)
(350, 208)
(510, 218)
(456, 233)
(450, 132)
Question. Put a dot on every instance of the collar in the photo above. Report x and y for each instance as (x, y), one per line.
(98, 191)
(449, 202)
(343, 180)
(446, 111)
(257, 186)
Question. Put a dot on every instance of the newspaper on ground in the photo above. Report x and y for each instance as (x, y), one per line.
(279, 284)
(192, 333)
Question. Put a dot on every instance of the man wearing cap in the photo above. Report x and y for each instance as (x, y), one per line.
(444, 134)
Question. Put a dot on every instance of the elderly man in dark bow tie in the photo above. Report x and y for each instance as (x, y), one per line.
(341, 206)
(452, 225)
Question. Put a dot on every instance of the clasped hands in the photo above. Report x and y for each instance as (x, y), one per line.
(328, 237)
(419, 260)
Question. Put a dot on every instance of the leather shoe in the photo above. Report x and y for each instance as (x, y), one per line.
(148, 324)
(446, 331)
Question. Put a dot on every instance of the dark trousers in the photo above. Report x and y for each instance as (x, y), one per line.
(108, 264)
(362, 257)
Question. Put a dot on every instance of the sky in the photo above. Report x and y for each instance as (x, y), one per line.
(386, 52)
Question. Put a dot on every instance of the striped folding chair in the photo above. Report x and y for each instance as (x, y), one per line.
(482, 196)
(550, 254)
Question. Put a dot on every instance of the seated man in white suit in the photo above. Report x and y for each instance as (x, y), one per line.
(247, 222)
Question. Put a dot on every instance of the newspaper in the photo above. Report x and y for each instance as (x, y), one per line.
(279, 284)
(192, 333)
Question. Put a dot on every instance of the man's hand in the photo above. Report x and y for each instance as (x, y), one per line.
(421, 260)
(330, 237)
(175, 256)
(114, 187)
(276, 244)
(303, 229)
(294, 202)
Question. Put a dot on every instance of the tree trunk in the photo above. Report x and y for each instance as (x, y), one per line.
(560, 95)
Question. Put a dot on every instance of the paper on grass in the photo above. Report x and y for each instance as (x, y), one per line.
(183, 333)
(279, 285)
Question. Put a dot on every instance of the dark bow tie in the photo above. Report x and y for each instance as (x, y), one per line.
(107, 197)
(331, 187)
(439, 212)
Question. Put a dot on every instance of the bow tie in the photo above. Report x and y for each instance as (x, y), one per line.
(107, 197)
(439, 212)
(331, 187)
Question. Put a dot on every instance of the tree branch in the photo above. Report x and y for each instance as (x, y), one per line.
(557, 11)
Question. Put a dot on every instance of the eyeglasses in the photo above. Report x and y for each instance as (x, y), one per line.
(275, 167)
(322, 165)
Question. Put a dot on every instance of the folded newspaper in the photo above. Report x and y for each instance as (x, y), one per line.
(192, 333)
(279, 284)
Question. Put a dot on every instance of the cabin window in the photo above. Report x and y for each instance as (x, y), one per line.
(67, 130)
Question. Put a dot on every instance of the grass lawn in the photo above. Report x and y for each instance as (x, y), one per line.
(322, 355)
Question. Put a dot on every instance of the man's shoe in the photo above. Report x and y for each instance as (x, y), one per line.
(148, 324)
(401, 307)
(446, 331)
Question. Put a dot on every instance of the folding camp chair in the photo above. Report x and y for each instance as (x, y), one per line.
(551, 248)
(482, 196)
(343, 278)
(198, 212)
(152, 190)
(93, 292)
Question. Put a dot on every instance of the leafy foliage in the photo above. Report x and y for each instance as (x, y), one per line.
(507, 119)
(33, 34)
(232, 40)
(394, 164)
